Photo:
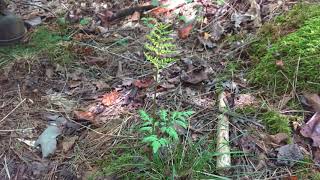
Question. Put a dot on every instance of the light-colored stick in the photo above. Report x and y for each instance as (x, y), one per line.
(223, 148)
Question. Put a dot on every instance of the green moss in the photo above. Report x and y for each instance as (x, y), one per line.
(298, 15)
(276, 123)
(248, 111)
(43, 43)
(316, 176)
(299, 52)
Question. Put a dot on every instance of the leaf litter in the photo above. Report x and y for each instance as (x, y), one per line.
(100, 102)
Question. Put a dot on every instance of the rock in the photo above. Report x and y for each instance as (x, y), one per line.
(289, 154)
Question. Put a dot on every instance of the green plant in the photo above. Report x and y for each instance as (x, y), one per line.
(160, 131)
(160, 46)
(188, 160)
(159, 50)
(276, 123)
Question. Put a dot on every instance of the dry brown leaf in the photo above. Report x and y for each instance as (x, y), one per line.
(83, 115)
(184, 32)
(144, 83)
(291, 178)
(110, 98)
(158, 11)
(311, 129)
(68, 144)
(194, 77)
(243, 100)
(279, 138)
(313, 100)
(96, 108)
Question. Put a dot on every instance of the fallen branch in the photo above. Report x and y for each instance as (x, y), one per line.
(223, 148)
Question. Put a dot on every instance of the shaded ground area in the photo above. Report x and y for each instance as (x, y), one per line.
(84, 71)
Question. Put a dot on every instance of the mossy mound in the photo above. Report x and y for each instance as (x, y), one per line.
(43, 43)
(297, 53)
(276, 123)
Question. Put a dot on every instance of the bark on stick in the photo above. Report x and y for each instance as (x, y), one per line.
(223, 148)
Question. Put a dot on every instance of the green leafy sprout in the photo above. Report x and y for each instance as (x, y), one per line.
(160, 131)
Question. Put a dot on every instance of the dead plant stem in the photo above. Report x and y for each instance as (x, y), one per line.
(154, 106)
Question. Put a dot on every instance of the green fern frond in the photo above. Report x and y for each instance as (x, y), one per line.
(160, 46)
(163, 114)
(145, 116)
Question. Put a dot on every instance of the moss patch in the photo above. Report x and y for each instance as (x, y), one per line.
(298, 50)
(43, 42)
(276, 123)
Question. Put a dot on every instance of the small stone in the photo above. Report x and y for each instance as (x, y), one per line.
(289, 154)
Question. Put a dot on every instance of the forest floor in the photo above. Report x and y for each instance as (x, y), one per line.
(80, 75)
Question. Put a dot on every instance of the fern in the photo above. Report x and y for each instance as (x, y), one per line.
(160, 46)
(160, 131)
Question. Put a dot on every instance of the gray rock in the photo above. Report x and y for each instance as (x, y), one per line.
(289, 154)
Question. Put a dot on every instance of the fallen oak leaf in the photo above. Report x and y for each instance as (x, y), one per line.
(143, 83)
(313, 100)
(279, 138)
(185, 31)
(158, 11)
(312, 129)
(84, 115)
(110, 98)
(194, 77)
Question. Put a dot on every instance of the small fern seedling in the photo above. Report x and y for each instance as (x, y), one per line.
(160, 131)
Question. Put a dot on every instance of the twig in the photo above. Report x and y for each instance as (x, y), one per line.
(223, 148)
(6, 167)
(235, 115)
(12, 110)
(112, 135)
(15, 130)
(119, 55)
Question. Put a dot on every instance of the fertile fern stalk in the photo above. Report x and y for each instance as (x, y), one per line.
(160, 46)
(158, 51)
